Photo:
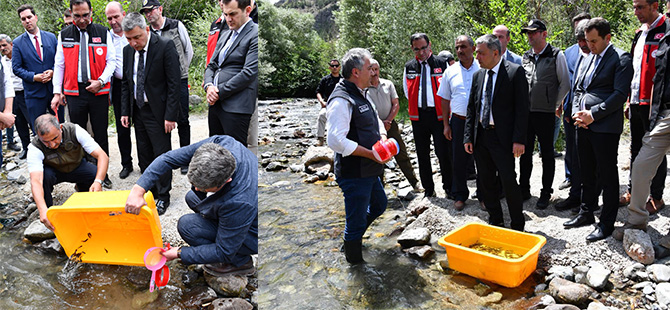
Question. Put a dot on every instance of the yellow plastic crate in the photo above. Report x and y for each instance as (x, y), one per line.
(504, 271)
(95, 226)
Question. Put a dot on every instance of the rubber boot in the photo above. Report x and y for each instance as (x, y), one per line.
(370, 220)
(353, 251)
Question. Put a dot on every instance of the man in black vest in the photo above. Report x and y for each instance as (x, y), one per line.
(56, 155)
(549, 82)
(353, 128)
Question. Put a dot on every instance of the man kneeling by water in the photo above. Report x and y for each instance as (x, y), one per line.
(353, 128)
(56, 155)
(223, 231)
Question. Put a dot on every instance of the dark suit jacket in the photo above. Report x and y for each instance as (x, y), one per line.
(509, 107)
(26, 64)
(162, 77)
(238, 74)
(606, 94)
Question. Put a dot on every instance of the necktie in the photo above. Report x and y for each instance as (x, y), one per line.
(488, 94)
(37, 47)
(592, 70)
(229, 43)
(83, 56)
(424, 79)
(139, 95)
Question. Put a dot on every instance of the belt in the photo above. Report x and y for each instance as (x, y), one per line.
(427, 108)
(457, 116)
(491, 127)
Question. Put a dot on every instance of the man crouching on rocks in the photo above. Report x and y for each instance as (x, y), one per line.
(353, 128)
(223, 231)
(56, 155)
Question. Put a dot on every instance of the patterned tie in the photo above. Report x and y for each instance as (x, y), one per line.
(592, 70)
(83, 56)
(424, 79)
(37, 47)
(139, 96)
(229, 43)
(488, 94)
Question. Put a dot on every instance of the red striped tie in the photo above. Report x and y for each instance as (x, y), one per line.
(37, 47)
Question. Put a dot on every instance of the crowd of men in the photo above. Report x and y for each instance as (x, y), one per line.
(495, 107)
(58, 86)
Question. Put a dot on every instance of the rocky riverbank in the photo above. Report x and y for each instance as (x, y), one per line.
(570, 270)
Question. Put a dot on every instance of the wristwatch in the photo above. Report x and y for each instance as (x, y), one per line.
(99, 181)
(102, 83)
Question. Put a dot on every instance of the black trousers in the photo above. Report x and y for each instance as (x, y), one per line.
(235, 125)
(598, 164)
(183, 126)
(461, 160)
(122, 133)
(83, 176)
(639, 125)
(152, 141)
(22, 120)
(492, 157)
(423, 129)
(540, 124)
(572, 160)
(88, 105)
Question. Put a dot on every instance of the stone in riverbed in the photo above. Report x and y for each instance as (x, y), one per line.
(569, 292)
(597, 276)
(231, 304)
(630, 271)
(663, 293)
(561, 307)
(316, 154)
(275, 166)
(37, 232)
(417, 206)
(421, 252)
(598, 306)
(491, 298)
(547, 300)
(51, 245)
(659, 273)
(143, 299)
(638, 246)
(197, 297)
(229, 286)
(414, 237)
(580, 274)
(564, 272)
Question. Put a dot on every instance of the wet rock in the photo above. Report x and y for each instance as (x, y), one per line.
(190, 277)
(482, 289)
(275, 166)
(638, 246)
(231, 304)
(663, 293)
(299, 133)
(141, 300)
(492, 298)
(417, 207)
(319, 167)
(569, 292)
(597, 276)
(580, 274)
(37, 232)
(311, 179)
(194, 100)
(414, 237)
(198, 296)
(406, 193)
(50, 245)
(32, 207)
(630, 271)
(421, 252)
(315, 154)
(659, 273)
(561, 307)
(139, 277)
(267, 155)
(229, 286)
(564, 272)
(297, 168)
(281, 183)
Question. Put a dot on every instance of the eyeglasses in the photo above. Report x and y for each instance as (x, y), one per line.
(418, 49)
(334, 66)
(77, 16)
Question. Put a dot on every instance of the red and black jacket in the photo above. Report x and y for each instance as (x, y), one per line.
(413, 81)
(649, 58)
(97, 56)
(213, 37)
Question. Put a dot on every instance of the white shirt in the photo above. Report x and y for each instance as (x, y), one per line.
(35, 157)
(495, 70)
(637, 60)
(119, 43)
(338, 113)
(17, 81)
(455, 86)
(39, 39)
(429, 86)
(59, 65)
(7, 81)
(137, 60)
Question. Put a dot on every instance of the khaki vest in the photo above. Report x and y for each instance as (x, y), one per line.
(69, 153)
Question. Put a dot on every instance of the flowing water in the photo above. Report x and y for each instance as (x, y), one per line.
(301, 226)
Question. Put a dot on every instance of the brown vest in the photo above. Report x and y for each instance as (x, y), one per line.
(69, 153)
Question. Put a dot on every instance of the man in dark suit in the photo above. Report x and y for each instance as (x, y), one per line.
(34, 63)
(495, 129)
(150, 95)
(600, 91)
(231, 78)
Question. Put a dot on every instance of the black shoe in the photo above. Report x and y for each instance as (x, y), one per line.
(161, 206)
(597, 234)
(543, 201)
(353, 251)
(525, 195)
(566, 184)
(125, 172)
(23, 154)
(581, 220)
(13, 146)
(661, 251)
(557, 154)
(107, 183)
(184, 170)
(568, 204)
(429, 194)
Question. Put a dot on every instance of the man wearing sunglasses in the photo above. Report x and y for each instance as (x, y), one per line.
(323, 91)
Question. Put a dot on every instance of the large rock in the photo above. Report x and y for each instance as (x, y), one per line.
(663, 293)
(315, 154)
(638, 246)
(659, 273)
(231, 304)
(421, 252)
(37, 232)
(319, 168)
(196, 297)
(229, 286)
(414, 237)
(50, 245)
(569, 292)
(597, 276)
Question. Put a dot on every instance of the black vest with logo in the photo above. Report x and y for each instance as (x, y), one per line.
(363, 129)
(69, 153)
